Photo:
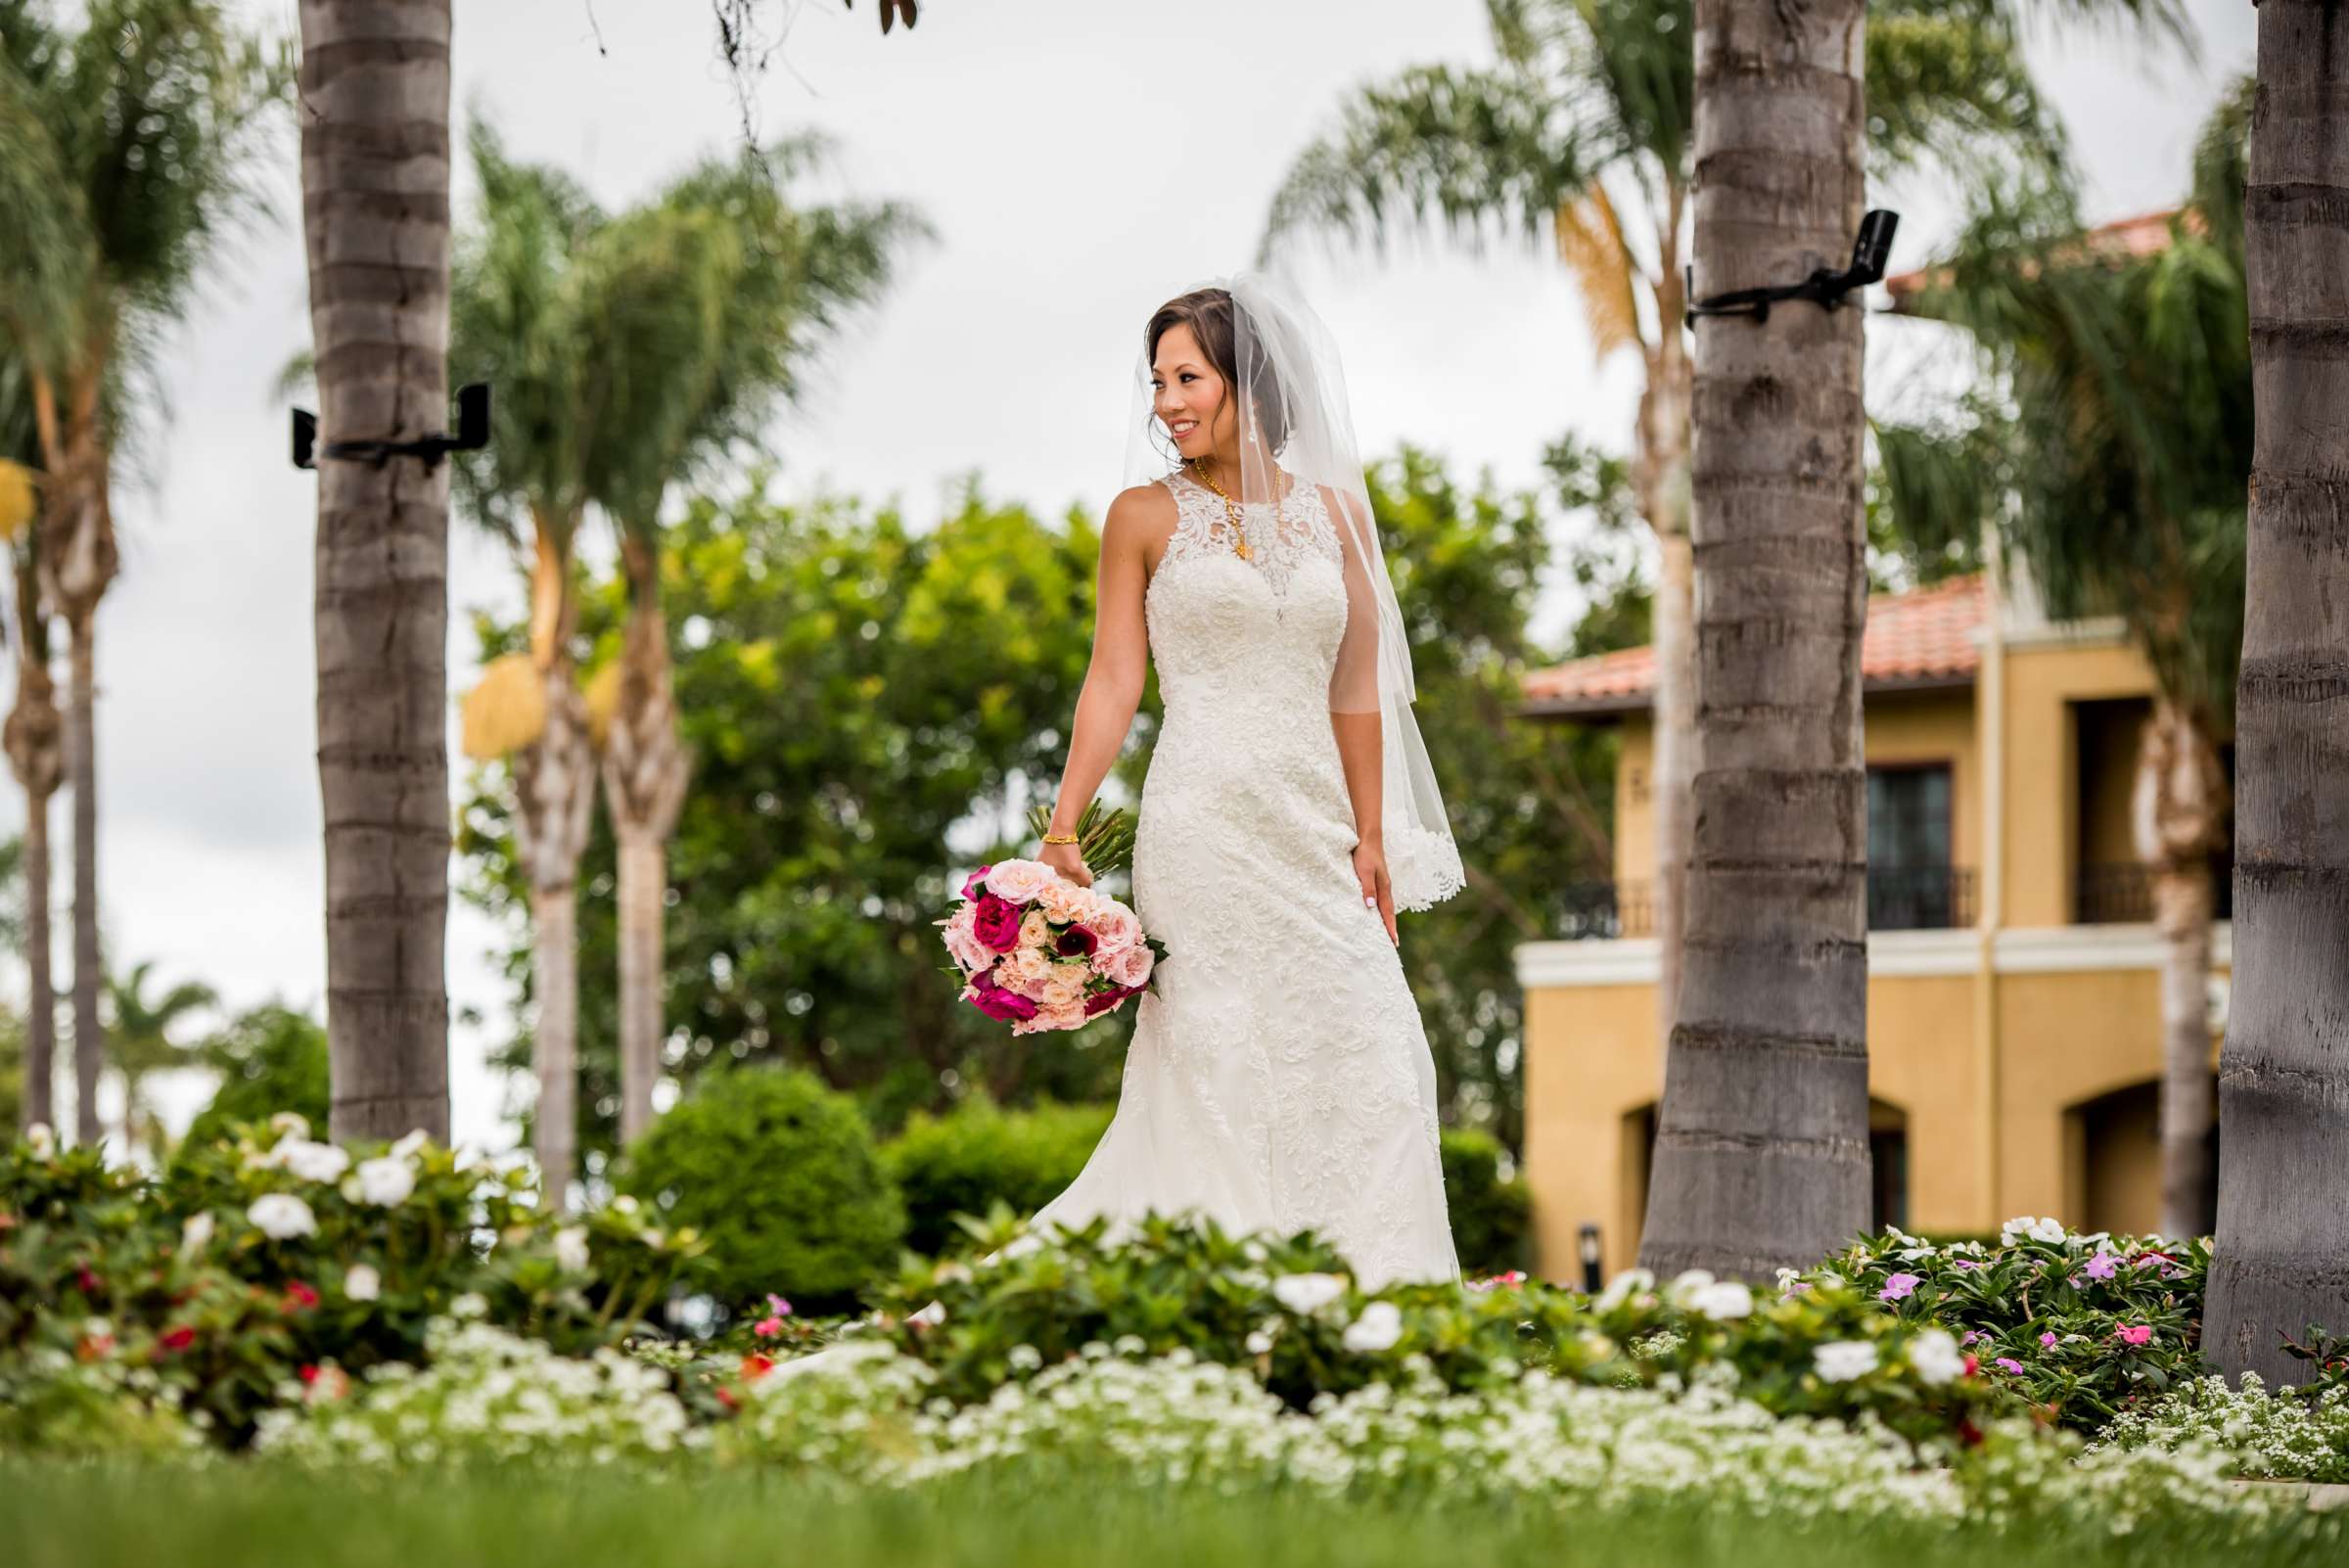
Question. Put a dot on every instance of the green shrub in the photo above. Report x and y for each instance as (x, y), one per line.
(270, 1059)
(780, 1176)
(980, 1154)
(1489, 1216)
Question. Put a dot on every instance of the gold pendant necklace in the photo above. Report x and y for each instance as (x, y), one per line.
(1231, 512)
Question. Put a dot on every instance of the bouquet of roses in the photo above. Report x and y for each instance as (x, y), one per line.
(1035, 948)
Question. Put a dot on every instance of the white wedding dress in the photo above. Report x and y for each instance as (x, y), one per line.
(1279, 1076)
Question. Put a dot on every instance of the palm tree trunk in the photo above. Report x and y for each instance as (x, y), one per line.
(1666, 421)
(2179, 805)
(34, 739)
(2281, 1259)
(555, 778)
(555, 977)
(89, 969)
(1761, 1156)
(645, 775)
(375, 154)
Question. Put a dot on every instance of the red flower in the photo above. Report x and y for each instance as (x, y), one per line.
(1973, 1364)
(755, 1367)
(1971, 1433)
(726, 1397)
(86, 1279)
(178, 1339)
(299, 1296)
(310, 1373)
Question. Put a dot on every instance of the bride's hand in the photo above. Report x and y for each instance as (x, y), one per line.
(1064, 859)
(1370, 870)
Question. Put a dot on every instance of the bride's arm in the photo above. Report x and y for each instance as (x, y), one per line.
(1114, 679)
(1354, 714)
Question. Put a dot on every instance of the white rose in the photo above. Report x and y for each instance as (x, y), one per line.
(1690, 1280)
(1259, 1343)
(290, 1123)
(41, 1140)
(280, 1215)
(412, 1144)
(312, 1162)
(1936, 1357)
(1307, 1294)
(1728, 1298)
(1378, 1330)
(1619, 1288)
(195, 1233)
(570, 1249)
(387, 1182)
(363, 1283)
(1841, 1361)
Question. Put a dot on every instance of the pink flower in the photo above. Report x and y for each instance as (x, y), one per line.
(1051, 1016)
(1117, 927)
(1019, 880)
(1964, 1263)
(962, 940)
(994, 1000)
(974, 881)
(998, 923)
(1024, 971)
(2007, 1363)
(2135, 1333)
(778, 1305)
(2046, 1341)
(768, 1327)
(1103, 1001)
(2103, 1265)
(299, 1298)
(1970, 1337)
(1066, 901)
(1899, 1287)
(1132, 967)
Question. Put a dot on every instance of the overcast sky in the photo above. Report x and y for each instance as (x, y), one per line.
(1080, 163)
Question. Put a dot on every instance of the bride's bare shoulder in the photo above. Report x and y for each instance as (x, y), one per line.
(1141, 520)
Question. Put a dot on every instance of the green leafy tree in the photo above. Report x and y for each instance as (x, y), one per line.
(142, 1026)
(270, 1058)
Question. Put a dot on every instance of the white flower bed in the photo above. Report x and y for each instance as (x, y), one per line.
(488, 1395)
(2264, 1434)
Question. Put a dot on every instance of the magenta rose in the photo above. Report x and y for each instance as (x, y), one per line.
(974, 881)
(1107, 999)
(1077, 940)
(998, 923)
(996, 1002)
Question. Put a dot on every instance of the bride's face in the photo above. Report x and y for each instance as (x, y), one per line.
(1189, 396)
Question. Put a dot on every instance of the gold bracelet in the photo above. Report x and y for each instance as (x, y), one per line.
(1060, 838)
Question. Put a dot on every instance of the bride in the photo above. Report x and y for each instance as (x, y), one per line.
(1279, 1075)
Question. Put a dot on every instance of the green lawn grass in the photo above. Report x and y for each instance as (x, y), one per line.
(229, 1515)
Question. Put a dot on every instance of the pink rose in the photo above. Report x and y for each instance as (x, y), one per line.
(1065, 901)
(1132, 968)
(1019, 880)
(1024, 972)
(1036, 931)
(962, 939)
(1115, 926)
(974, 881)
(1064, 986)
(1106, 1001)
(998, 923)
(1050, 1018)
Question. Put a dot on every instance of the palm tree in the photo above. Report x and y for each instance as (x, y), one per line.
(33, 735)
(2283, 1250)
(1583, 130)
(132, 141)
(711, 301)
(375, 221)
(2116, 466)
(1761, 1157)
(141, 1040)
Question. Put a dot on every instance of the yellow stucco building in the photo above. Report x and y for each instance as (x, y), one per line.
(2013, 1015)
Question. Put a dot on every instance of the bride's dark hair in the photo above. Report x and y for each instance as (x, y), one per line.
(1208, 313)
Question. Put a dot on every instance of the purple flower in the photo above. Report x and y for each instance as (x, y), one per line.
(1970, 1337)
(998, 923)
(2103, 1265)
(1964, 1263)
(2007, 1363)
(2046, 1341)
(974, 881)
(1899, 1286)
(1076, 941)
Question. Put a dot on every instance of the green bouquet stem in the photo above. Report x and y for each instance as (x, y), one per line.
(1104, 838)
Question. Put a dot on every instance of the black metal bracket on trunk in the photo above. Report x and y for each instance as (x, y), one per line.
(473, 433)
(1868, 254)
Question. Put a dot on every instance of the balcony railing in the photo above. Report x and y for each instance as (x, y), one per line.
(2122, 894)
(1899, 899)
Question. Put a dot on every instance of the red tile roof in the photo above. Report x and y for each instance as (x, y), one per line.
(2146, 234)
(1924, 638)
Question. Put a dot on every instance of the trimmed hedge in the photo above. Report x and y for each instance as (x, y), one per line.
(979, 1154)
(1491, 1218)
(780, 1176)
